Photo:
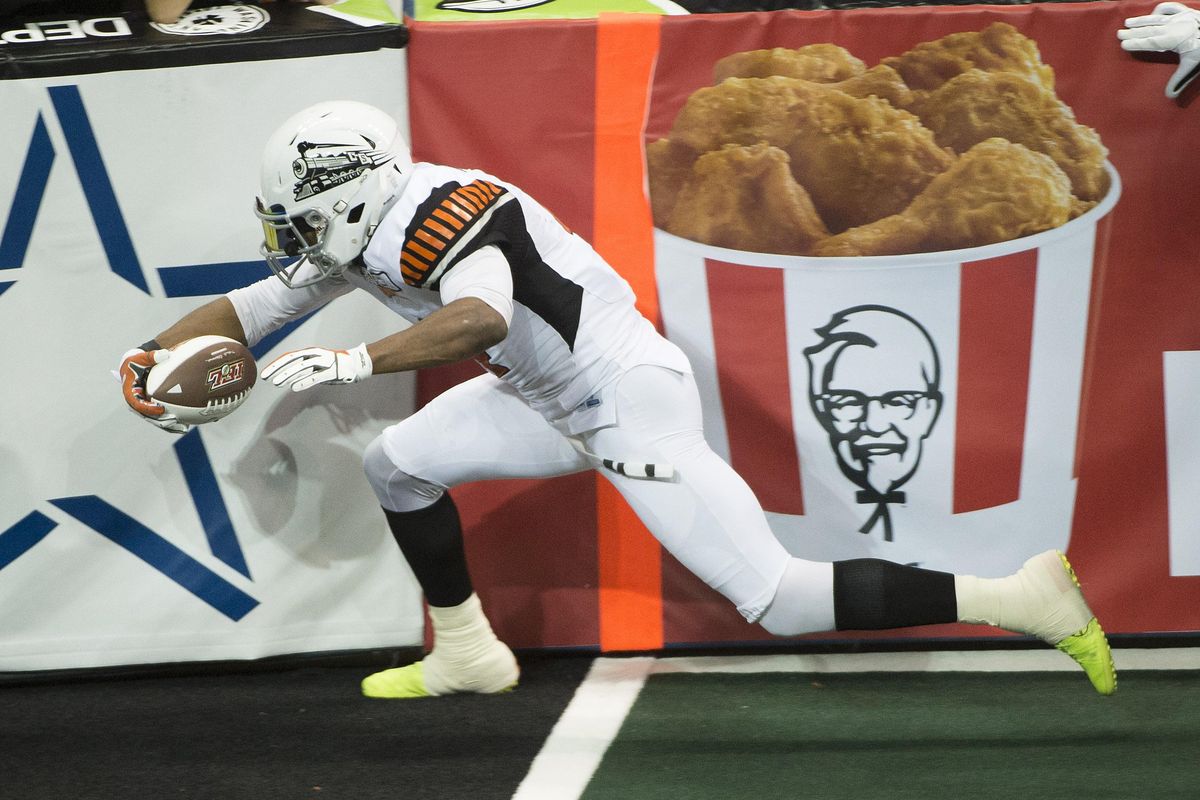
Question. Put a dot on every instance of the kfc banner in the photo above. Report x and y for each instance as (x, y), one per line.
(934, 276)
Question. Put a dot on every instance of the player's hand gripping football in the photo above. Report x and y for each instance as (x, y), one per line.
(303, 369)
(135, 366)
(1172, 27)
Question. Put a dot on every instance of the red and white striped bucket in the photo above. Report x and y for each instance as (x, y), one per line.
(921, 408)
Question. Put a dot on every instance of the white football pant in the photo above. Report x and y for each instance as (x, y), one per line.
(705, 516)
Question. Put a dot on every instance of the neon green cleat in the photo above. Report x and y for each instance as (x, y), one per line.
(1090, 650)
(466, 658)
(400, 683)
(492, 670)
(1089, 646)
(1043, 599)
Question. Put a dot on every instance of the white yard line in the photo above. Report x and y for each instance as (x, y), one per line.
(583, 733)
(577, 743)
(1046, 660)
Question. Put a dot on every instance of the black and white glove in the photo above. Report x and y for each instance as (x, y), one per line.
(306, 368)
(135, 366)
(1172, 27)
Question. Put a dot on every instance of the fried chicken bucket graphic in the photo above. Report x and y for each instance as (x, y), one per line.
(882, 278)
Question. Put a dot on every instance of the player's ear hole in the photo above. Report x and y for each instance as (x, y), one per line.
(355, 213)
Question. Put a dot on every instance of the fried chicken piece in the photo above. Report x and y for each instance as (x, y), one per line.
(746, 198)
(997, 48)
(859, 158)
(978, 105)
(996, 191)
(879, 81)
(820, 63)
(668, 166)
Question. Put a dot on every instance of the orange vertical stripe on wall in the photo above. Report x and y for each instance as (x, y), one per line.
(630, 560)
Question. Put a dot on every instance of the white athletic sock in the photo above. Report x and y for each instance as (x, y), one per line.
(1039, 599)
(466, 655)
(803, 603)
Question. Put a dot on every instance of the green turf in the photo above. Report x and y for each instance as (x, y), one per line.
(893, 736)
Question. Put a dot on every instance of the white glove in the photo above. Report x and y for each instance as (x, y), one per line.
(1172, 27)
(135, 366)
(306, 368)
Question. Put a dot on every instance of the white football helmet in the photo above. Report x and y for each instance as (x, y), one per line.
(327, 176)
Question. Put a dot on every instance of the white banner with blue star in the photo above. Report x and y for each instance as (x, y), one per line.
(125, 201)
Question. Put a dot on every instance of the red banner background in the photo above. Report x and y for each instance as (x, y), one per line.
(534, 104)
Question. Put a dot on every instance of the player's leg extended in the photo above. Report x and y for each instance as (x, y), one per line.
(478, 430)
(1042, 599)
(705, 516)
(709, 519)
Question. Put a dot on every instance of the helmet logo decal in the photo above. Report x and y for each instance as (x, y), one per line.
(324, 165)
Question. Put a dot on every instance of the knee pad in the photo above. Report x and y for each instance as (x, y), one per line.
(396, 489)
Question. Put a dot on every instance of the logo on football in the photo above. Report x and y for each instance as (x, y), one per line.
(204, 379)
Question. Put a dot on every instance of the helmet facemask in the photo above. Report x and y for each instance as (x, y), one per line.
(291, 242)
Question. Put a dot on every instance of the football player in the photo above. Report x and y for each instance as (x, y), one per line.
(574, 379)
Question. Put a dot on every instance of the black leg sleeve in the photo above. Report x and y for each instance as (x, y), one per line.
(873, 594)
(431, 541)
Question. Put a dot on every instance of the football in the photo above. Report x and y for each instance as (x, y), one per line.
(204, 379)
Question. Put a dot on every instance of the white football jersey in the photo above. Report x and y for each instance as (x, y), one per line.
(574, 326)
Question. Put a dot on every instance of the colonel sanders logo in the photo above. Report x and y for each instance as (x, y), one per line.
(874, 387)
(323, 165)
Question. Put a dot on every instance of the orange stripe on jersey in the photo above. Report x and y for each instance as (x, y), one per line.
(412, 261)
(476, 194)
(429, 239)
(466, 200)
(413, 247)
(437, 227)
(476, 191)
(444, 229)
(448, 217)
(450, 205)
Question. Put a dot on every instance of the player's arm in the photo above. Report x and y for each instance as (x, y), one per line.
(460, 330)
(217, 318)
(477, 293)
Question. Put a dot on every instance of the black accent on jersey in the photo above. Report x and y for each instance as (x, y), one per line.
(536, 285)
(447, 217)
